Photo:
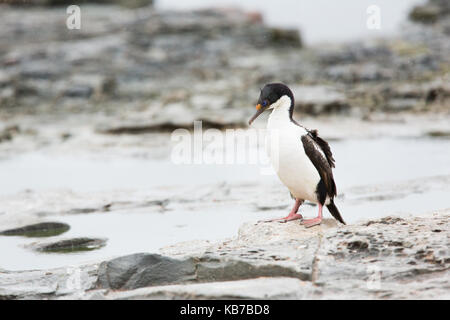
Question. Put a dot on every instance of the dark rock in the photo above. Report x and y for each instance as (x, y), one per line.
(285, 37)
(8, 133)
(439, 134)
(70, 245)
(437, 94)
(328, 108)
(357, 245)
(165, 127)
(109, 86)
(79, 91)
(38, 71)
(386, 220)
(225, 269)
(82, 210)
(22, 89)
(142, 270)
(44, 229)
(425, 14)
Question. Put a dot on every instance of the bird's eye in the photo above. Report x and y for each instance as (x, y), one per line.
(264, 103)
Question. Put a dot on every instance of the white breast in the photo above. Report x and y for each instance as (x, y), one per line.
(285, 150)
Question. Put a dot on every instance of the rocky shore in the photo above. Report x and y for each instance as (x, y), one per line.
(388, 258)
(117, 88)
(130, 64)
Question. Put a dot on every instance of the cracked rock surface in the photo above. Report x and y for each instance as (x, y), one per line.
(388, 258)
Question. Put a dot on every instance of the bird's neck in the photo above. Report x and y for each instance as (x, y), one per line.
(281, 114)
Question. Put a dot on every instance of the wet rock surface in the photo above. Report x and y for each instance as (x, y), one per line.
(142, 270)
(43, 229)
(47, 284)
(387, 258)
(69, 245)
(259, 288)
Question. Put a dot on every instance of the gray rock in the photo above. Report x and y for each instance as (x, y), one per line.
(48, 284)
(369, 260)
(438, 134)
(68, 245)
(79, 91)
(317, 100)
(43, 229)
(285, 37)
(142, 270)
(397, 105)
(387, 258)
(258, 288)
(7, 133)
(359, 73)
(427, 13)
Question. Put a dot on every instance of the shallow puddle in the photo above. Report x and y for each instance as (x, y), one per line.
(358, 162)
(129, 233)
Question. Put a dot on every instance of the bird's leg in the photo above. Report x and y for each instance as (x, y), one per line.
(293, 215)
(314, 221)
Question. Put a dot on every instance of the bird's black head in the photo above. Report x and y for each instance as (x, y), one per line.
(270, 94)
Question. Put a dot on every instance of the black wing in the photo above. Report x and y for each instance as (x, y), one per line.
(319, 152)
(324, 146)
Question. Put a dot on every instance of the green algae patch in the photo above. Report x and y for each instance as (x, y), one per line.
(38, 230)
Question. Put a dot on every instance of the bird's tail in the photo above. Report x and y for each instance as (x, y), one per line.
(335, 212)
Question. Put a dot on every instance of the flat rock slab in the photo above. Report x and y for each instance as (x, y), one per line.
(68, 245)
(43, 229)
(269, 232)
(388, 258)
(141, 270)
(259, 288)
(48, 284)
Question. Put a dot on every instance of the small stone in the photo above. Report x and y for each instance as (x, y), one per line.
(69, 245)
(44, 229)
(290, 37)
(79, 91)
(427, 14)
(357, 245)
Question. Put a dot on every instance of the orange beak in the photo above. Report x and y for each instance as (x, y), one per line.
(259, 110)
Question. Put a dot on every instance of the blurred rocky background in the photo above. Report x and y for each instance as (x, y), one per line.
(157, 67)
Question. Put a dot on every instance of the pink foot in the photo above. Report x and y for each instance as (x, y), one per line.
(308, 223)
(293, 215)
(290, 217)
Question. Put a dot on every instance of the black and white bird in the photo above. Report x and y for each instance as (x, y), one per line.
(302, 159)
